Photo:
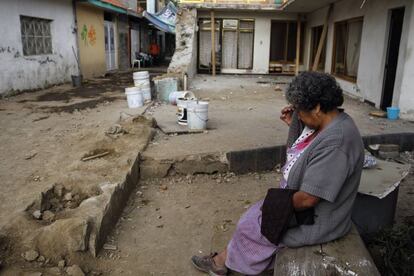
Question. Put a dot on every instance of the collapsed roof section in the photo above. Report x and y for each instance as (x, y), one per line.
(165, 19)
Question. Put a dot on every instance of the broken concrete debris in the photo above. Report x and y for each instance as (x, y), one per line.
(48, 216)
(37, 214)
(61, 264)
(31, 255)
(74, 270)
(108, 246)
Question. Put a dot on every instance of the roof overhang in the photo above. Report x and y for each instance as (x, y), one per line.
(305, 6)
(232, 6)
(106, 6)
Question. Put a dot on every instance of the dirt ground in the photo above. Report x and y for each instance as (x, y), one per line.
(46, 133)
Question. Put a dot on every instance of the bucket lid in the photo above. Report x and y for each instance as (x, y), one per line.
(131, 89)
(140, 73)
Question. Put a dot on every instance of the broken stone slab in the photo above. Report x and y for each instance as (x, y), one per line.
(186, 165)
(151, 168)
(74, 270)
(63, 237)
(104, 210)
(209, 163)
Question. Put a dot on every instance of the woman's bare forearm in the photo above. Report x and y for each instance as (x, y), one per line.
(303, 200)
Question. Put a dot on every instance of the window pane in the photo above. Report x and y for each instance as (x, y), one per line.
(340, 44)
(353, 48)
(31, 49)
(47, 44)
(37, 28)
(245, 24)
(36, 37)
(39, 45)
(277, 41)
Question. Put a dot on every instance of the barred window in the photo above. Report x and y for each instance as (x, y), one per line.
(36, 37)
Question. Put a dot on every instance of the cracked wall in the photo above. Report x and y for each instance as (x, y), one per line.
(19, 72)
(184, 59)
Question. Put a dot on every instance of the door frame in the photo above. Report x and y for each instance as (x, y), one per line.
(111, 24)
(387, 52)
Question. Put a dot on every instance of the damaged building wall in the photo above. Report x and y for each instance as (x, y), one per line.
(184, 59)
(91, 40)
(20, 71)
(373, 45)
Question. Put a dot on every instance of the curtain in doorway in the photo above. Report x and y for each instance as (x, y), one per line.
(229, 53)
(245, 50)
(205, 49)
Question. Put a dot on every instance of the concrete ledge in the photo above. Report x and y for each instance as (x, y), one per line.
(345, 256)
(264, 159)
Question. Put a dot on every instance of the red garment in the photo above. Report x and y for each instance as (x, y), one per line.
(154, 49)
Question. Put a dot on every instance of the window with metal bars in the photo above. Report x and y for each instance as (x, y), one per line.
(36, 36)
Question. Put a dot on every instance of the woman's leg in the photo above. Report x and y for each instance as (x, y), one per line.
(220, 258)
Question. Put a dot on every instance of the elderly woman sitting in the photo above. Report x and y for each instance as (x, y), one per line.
(324, 163)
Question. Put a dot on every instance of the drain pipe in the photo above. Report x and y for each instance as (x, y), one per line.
(185, 82)
(75, 31)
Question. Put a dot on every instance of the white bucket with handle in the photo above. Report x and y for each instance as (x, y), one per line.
(134, 97)
(141, 79)
(182, 114)
(197, 113)
(174, 96)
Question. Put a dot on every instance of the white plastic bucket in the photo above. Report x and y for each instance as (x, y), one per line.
(146, 93)
(141, 79)
(134, 97)
(140, 74)
(197, 113)
(182, 117)
(173, 97)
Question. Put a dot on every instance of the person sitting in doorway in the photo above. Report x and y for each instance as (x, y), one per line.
(323, 141)
(155, 50)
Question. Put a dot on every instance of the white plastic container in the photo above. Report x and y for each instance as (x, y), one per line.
(173, 97)
(182, 114)
(141, 79)
(197, 113)
(146, 93)
(134, 97)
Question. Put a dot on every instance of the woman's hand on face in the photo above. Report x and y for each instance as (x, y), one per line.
(286, 115)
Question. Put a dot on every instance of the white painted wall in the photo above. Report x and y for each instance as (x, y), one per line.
(263, 20)
(406, 100)
(18, 72)
(151, 5)
(373, 44)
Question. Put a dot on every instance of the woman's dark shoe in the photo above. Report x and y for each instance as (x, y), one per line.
(207, 264)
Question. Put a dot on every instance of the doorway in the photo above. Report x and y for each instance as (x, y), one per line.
(391, 61)
(110, 45)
